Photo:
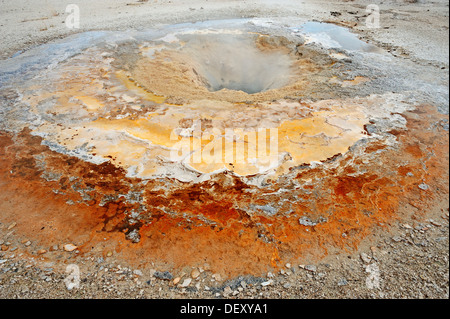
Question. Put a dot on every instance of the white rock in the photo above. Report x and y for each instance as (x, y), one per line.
(137, 272)
(186, 283)
(217, 277)
(69, 247)
(12, 226)
(128, 98)
(227, 291)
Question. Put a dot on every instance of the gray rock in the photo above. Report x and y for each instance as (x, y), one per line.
(343, 282)
(305, 221)
(397, 239)
(268, 209)
(134, 236)
(163, 275)
(311, 268)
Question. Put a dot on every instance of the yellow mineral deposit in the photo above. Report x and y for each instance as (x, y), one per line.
(139, 142)
(139, 90)
(91, 103)
(245, 138)
(322, 136)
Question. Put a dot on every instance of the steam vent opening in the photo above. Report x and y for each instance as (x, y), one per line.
(235, 147)
(237, 63)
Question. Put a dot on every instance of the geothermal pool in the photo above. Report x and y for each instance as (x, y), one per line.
(211, 141)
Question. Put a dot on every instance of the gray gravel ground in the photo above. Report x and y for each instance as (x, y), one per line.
(410, 262)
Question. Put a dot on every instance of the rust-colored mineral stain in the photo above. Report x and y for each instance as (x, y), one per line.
(220, 221)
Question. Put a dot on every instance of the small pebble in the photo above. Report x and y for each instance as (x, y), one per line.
(311, 268)
(70, 247)
(12, 226)
(186, 283)
(227, 291)
(195, 274)
(397, 239)
(342, 282)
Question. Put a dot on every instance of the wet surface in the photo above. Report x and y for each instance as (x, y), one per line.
(333, 36)
(88, 139)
